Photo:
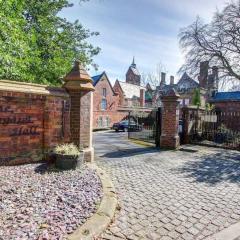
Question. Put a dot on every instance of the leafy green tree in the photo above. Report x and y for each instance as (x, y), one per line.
(196, 97)
(39, 46)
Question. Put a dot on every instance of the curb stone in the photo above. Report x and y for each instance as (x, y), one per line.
(230, 233)
(99, 222)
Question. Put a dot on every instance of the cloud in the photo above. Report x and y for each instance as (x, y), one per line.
(146, 29)
(189, 9)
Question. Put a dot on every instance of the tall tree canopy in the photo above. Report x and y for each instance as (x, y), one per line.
(217, 42)
(37, 45)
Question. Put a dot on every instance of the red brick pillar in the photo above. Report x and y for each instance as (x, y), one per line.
(79, 86)
(170, 121)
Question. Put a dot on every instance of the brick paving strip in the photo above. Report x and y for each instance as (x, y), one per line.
(98, 223)
(183, 195)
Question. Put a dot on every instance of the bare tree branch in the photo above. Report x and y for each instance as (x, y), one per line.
(217, 42)
(154, 77)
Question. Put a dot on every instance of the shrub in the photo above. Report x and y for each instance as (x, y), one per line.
(67, 149)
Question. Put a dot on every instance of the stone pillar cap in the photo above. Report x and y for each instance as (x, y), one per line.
(78, 73)
(171, 93)
(78, 78)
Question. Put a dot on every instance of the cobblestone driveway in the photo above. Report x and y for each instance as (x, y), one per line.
(170, 194)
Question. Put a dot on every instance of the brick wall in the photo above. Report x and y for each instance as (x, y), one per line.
(33, 118)
(230, 113)
(233, 106)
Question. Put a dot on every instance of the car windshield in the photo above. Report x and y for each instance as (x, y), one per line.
(126, 122)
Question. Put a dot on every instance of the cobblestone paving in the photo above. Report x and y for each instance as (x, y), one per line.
(166, 195)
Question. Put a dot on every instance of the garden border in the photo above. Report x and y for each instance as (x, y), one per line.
(99, 222)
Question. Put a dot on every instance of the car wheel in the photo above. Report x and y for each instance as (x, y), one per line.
(116, 130)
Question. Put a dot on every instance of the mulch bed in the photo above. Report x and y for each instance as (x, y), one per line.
(38, 203)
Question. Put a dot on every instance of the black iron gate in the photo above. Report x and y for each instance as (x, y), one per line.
(215, 128)
(145, 126)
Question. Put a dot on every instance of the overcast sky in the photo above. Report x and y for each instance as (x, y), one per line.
(146, 29)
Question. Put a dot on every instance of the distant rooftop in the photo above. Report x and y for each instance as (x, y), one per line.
(227, 96)
(187, 79)
(131, 90)
(133, 67)
(97, 78)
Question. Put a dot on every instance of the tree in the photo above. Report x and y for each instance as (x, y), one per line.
(197, 97)
(153, 78)
(37, 45)
(217, 42)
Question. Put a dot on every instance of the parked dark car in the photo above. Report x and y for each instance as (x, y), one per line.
(125, 126)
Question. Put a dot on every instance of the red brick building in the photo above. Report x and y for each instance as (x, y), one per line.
(105, 103)
(112, 104)
(131, 93)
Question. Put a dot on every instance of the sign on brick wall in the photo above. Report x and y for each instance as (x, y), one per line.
(33, 120)
(21, 129)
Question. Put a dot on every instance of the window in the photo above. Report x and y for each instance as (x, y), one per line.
(186, 101)
(108, 121)
(100, 122)
(104, 92)
(104, 104)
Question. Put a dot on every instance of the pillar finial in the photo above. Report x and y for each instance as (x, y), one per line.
(78, 78)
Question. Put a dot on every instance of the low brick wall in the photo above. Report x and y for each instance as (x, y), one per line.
(229, 113)
(33, 118)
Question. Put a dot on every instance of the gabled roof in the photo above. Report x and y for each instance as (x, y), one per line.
(130, 90)
(187, 80)
(97, 78)
(227, 96)
(149, 87)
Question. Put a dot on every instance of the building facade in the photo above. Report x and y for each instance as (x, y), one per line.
(186, 87)
(130, 91)
(105, 103)
(112, 104)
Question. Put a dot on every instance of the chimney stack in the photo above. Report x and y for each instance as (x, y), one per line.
(171, 80)
(203, 77)
(215, 71)
(215, 76)
(142, 98)
(163, 79)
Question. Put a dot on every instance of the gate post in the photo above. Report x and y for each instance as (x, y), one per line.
(79, 86)
(170, 120)
(186, 120)
(158, 126)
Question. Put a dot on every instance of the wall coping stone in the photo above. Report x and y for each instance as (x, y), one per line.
(193, 107)
(32, 88)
